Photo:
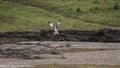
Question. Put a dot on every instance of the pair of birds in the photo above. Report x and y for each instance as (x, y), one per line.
(55, 26)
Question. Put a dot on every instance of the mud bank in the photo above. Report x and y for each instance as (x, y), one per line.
(103, 35)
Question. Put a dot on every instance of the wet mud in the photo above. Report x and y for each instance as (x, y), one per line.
(103, 35)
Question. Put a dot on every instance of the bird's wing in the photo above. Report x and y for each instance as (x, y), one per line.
(50, 24)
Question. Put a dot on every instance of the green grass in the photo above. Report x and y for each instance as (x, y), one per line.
(107, 17)
(19, 15)
(76, 66)
(99, 12)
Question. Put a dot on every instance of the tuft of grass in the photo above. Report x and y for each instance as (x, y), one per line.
(78, 10)
(116, 6)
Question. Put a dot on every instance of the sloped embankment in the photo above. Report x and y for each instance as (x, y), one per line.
(103, 35)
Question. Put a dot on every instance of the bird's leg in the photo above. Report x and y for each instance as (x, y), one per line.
(56, 30)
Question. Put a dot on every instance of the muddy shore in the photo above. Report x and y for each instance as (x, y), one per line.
(103, 35)
(88, 53)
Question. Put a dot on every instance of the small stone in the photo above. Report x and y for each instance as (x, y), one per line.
(67, 45)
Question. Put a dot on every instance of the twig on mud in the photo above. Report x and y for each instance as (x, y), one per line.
(48, 45)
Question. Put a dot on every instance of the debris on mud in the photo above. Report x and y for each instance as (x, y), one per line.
(103, 35)
(25, 51)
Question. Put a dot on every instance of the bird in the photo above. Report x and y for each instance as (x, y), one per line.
(55, 27)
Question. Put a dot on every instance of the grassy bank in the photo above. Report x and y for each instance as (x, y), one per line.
(33, 15)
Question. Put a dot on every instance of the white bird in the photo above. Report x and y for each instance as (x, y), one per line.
(55, 27)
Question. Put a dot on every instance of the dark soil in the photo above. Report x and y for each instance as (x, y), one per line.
(103, 35)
